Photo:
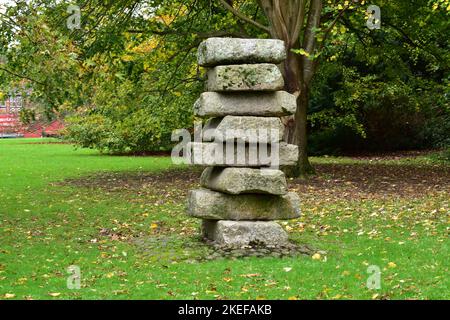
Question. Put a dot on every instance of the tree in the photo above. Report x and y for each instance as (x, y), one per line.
(385, 89)
(304, 29)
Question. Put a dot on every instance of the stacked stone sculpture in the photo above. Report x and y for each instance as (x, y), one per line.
(240, 199)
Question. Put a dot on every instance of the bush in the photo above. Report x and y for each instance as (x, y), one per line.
(139, 131)
(356, 108)
(125, 118)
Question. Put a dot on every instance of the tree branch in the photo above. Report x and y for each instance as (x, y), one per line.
(243, 17)
(278, 15)
(21, 76)
(310, 42)
(203, 35)
(312, 23)
(413, 43)
(299, 23)
(327, 32)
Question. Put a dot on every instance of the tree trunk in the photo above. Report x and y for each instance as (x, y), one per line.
(300, 136)
(296, 126)
(287, 22)
(296, 133)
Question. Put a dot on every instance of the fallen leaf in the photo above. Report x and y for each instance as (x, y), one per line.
(392, 265)
(54, 294)
(250, 275)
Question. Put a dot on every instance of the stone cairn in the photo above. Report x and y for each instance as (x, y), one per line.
(239, 199)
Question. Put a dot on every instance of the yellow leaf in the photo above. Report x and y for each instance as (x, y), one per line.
(54, 294)
(303, 52)
(293, 298)
(9, 296)
(316, 256)
(153, 226)
(250, 275)
(167, 19)
(392, 265)
(127, 58)
(22, 280)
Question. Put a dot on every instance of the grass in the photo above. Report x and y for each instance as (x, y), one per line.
(60, 207)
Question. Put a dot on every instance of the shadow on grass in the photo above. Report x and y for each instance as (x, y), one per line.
(332, 182)
(373, 181)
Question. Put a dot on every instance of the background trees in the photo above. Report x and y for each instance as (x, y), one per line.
(128, 76)
(384, 90)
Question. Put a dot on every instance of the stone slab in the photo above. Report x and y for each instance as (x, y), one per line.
(244, 128)
(244, 233)
(216, 154)
(212, 205)
(245, 77)
(262, 104)
(244, 180)
(222, 51)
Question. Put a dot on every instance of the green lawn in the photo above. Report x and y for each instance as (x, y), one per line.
(122, 222)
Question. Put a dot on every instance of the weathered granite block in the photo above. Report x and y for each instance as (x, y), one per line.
(262, 104)
(212, 205)
(244, 233)
(248, 155)
(244, 180)
(245, 77)
(244, 128)
(220, 51)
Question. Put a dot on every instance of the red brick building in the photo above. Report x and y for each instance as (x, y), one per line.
(11, 127)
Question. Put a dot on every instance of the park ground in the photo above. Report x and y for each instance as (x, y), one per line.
(122, 221)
